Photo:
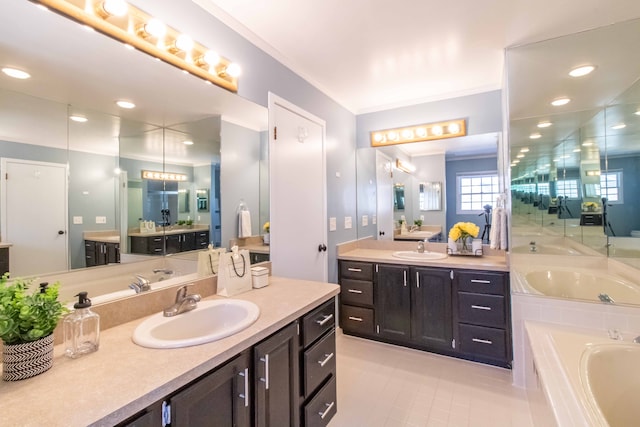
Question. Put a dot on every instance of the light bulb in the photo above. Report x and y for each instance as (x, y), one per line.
(126, 104)
(535, 136)
(115, 7)
(211, 58)
(544, 124)
(581, 71)
(560, 101)
(421, 132)
(184, 43)
(79, 119)
(377, 137)
(15, 73)
(233, 70)
(437, 130)
(454, 128)
(155, 28)
(393, 136)
(407, 134)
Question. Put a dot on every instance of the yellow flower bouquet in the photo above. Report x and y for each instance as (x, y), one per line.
(266, 227)
(461, 232)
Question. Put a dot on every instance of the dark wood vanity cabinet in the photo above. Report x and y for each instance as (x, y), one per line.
(4, 260)
(457, 312)
(101, 253)
(170, 243)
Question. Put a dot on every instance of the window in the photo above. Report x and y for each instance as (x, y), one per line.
(543, 188)
(568, 188)
(475, 191)
(611, 186)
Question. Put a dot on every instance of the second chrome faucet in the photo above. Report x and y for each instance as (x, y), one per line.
(184, 302)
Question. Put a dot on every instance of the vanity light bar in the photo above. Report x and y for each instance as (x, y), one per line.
(134, 28)
(164, 176)
(418, 133)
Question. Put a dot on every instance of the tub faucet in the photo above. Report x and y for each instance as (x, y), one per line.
(532, 246)
(421, 246)
(162, 270)
(606, 298)
(141, 284)
(184, 302)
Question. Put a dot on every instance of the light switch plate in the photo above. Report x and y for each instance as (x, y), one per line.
(77, 220)
(347, 223)
(101, 220)
(365, 220)
(374, 219)
(333, 226)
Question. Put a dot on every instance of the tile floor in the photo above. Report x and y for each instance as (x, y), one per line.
(386, 385)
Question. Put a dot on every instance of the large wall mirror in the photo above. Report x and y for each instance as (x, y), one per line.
(575, 168)
(115, 173)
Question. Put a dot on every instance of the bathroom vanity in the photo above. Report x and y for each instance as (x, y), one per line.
(457, 306)
(231, 379)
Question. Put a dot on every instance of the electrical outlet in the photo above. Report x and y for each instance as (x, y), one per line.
(333, 225)
(77, 220)
(347, 223)
(101, 220)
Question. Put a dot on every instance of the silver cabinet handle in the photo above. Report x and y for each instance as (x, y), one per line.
(324, 320)
(480, 281)
(326, 411)
(481, 307)
(245, 395)
(354, 291)
(325, 360)
(357, 270)
(265, 380)
(357, 319)
(481, 341)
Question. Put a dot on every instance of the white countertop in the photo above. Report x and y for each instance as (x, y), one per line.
(122, 378)
(485, 262)
(5, 244)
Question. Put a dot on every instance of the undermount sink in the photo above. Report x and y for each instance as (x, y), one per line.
(210, 321)
(419, 256)
(609, 376)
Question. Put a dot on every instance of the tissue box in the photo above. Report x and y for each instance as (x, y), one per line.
(259, 277)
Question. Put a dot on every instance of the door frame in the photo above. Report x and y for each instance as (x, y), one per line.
(276, 101)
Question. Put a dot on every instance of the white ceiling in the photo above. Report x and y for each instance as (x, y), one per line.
(371, 55)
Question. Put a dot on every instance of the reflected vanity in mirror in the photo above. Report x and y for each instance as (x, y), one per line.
(152, 171)
(575, 168)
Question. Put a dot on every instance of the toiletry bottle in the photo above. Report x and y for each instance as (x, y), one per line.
(81, 329)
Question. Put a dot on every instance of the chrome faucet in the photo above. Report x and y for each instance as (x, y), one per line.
(162, 270)
(141, 284)
(532, 246)
(421, 246)
(606, 298)
(184, 302)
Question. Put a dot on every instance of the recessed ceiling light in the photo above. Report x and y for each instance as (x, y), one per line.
(79, 119)
(516, 161)
(619, 126)
(637, 113)
(535, 136)
(560, 101)
(187, 142)
(587, 143)
(576, 150)
(524, 150)
(581, 71)
(125, 104)
(544, 124)
(520, 156)
(15, 73)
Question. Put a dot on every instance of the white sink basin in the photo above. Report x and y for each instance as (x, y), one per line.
(210, 321)
(609, 377)
(417, 256)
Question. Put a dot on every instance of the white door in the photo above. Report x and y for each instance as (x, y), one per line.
(34, 216)
(384, 196)
(297, 192)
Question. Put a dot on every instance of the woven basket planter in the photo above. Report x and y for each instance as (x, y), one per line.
(22, 361)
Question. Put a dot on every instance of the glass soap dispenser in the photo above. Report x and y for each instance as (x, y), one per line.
(81, 329)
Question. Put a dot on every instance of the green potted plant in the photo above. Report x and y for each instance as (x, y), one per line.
(27, 321)
(417, 223)
(189, 223)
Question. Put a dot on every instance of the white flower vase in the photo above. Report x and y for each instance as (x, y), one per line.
(266, 238)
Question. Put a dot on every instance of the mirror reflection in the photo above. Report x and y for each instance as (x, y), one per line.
(122, 176)
(574, 168)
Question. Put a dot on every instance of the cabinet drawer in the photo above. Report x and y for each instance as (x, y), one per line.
(356, 292)
(319, 363)
(479, 309)
(319, 411)
(356, 319)
(483, 341)
(356, 270)
(481, 282)
(318, 322)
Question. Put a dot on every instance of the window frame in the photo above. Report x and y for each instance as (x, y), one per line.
(480, 174)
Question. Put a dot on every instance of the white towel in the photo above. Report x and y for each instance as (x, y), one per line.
(503, 229)
(244, 224)
(493, 234)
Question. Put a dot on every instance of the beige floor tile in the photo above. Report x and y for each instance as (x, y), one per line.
(384, 385)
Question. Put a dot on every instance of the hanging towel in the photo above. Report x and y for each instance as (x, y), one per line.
(503, 229)
(244, 224)
(495, 229)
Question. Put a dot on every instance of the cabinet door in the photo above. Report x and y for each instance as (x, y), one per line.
(393, 302)
(219, 399)
(431, 311)
(173, 243)
(277, 379)
(188, 242)
(113, 253)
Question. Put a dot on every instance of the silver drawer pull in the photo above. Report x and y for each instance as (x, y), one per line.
(325, 360)
(245, 395)
(481, 307)
(326, 411)
(265, 380)
(357, 319)
(356, 270)
(481, 341)
(354, 291)
(481, 281)
(324, 320)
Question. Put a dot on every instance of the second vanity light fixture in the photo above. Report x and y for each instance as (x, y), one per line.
(134, 27)
(418, 133)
